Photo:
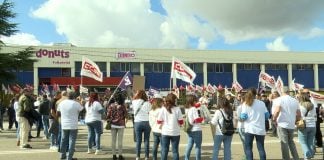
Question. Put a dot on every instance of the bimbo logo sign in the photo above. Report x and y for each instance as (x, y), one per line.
(130, 54)
(52, 53)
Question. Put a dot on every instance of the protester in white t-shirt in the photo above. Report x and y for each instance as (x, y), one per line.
(254, 113)
(306, 136)
(240, 122)
(225, 111)
(68, 110)
(157, 103)
(141, 108)
(94, 111)
(286, 112)
(195, 135)
(171, 119)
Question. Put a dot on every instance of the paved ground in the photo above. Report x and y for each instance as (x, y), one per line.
(40, 151)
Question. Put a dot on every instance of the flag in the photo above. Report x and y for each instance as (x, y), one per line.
(237, 87)
(190, 88)
(83, 89)
(267, 79)
(4, 89)
(199, 88)
(181, 71)
(210, 88)
(91, 69)
(126, 81)
(176, 92)
(279, 85)
(319, 98)
(9, 90)
(261, 87)
(16, 88)
(152, 91)
(296, 86)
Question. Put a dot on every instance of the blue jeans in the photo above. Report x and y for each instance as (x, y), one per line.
(94, 133)
(287, 143)
(45, 125)
(249, 145)
(68, 138)
(227, 140)
(306, 139)
(241, 132)
(194, 137)
(165, 143)
(140, 128)
(157, 141)
(17, 132)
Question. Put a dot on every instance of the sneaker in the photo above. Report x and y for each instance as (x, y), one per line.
(26, 146)
(90, 151)
(99, 152)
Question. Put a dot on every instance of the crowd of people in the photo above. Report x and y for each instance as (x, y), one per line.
(249, 114)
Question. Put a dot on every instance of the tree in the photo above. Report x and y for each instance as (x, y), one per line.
(11, 62)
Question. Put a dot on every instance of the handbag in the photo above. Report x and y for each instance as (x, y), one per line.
(301, 124)
(187, 126)
(108, 125)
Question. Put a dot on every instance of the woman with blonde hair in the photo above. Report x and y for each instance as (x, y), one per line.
(171, 119)
(157, 103)
(306, 136)
(254, 113)
(141, 108)
(195, 134)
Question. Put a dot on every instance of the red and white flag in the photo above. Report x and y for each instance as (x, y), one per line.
(296, 86)
(279, 85)
(237, 87)
(319, 98)
(91, 69)
(267, 79)
(199, 88)
(210, 88)
(182, 71)
(190, 88)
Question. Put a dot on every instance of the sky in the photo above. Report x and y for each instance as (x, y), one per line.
(246, 25)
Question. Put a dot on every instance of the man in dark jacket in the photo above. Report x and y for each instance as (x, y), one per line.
(44, 111)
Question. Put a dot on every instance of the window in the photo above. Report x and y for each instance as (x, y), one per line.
(196, 67)
(219, 68)
(78, 66)
(248, 66)
(275, 66)
(124, 66)
(66, 72)
(157, 67)
(320, 66)
(302, 67)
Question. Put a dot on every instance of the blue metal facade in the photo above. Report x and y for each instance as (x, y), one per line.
(248, 78)
(225, 78)
(305, 77)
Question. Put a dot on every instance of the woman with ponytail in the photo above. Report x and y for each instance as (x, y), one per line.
(171, 119)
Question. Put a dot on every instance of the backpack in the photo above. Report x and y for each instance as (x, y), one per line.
(227, 128)
(187, 126)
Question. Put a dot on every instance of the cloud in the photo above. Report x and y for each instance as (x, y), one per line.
(21, 39)
(313, 33)
(277, 45)
(125, 23)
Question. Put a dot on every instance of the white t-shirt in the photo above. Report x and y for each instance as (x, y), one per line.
(16, 106)
(218, 120)
(239, 111)
(170, 124)
(69, 110)
(311, 117)
(288, 108)
(192, 114)
(143, 113)
(92, 112)
(153, 120)
(255, 123)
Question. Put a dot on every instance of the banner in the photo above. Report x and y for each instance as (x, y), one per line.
(210, 88)
(296, 86)
(319, 98)
(267, 79)
(237, 86)
(279, 85)
(152, 91)
(83, 89)
(91, 69)
(126, 81)
(181, 71)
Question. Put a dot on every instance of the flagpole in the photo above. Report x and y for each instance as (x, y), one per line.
(117, 87)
